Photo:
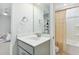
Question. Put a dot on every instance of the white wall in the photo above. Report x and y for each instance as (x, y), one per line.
(5, 21)
(52, 29)
(20, 11)
(17, 27)
(5, 24)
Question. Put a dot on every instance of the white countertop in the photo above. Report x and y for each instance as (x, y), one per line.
(33, 40)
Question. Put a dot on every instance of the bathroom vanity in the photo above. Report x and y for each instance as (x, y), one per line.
(33, 45)
(28, 19)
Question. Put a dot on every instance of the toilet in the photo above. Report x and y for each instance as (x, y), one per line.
(56, 49)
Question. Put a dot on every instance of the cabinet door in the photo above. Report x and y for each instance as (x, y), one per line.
(42, 49)
(22, 52)
(25, 46)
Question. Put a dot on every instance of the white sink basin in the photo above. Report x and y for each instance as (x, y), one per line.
(33, 40)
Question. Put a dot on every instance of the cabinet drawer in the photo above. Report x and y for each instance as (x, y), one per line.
(25, 46)
(22, 52)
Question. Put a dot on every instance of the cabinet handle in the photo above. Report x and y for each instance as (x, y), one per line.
(53, 37)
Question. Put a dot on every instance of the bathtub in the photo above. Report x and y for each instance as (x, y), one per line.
(72, 47)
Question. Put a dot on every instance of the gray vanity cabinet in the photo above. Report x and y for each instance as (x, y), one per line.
(25, 49)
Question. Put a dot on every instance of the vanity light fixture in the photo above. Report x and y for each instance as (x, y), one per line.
(5, 12)
(24, 19)
(65, 4)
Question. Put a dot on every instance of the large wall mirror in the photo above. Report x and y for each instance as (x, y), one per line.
(32, 18)
(41, 17)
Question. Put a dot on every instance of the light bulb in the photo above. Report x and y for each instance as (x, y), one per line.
(5, 13)
(65, 4)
